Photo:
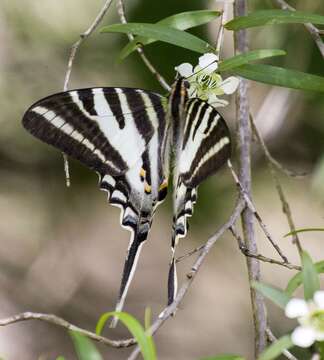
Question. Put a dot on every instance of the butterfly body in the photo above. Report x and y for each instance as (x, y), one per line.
(132, 138)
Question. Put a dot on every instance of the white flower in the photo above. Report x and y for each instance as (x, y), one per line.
(205, 83)
(310, 316)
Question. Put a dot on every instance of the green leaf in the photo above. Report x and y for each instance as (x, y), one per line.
(279, 297)
(273, 17)
(281, 77)
(181, 21)
(296, 280)
(145, 342)
(84, 347)
(275, 349)
(303, 230)
(225, 357)
(245, 58)
(58, 358)
(309, 276)
(162, 33)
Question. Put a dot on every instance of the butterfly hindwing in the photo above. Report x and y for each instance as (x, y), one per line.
(119, 133)
(203, 148)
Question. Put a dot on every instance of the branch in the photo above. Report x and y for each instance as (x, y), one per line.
(139, 49)
(250, 205)
(260, 257)
(53, 319)
(73, 52)
(285, 205)
(272, 339)
(243, 146)
(171, 309)
(313, 30)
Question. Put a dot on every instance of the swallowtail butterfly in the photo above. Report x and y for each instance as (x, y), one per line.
(132, 138)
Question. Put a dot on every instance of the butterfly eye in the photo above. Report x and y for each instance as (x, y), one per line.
(186, 84)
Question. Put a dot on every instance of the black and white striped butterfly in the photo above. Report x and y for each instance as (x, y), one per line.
(132, 138)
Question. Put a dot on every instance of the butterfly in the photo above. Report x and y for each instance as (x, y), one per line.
(134, 139)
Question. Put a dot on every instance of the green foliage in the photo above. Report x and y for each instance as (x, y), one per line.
(145, 342)
(276, 295)
(273, 17)
(274, 350)
(162, 33)
(58, 358)
(297, 280)
(84, 347)
(303, 230)
(242, 59)
(225, 357)
(309, 275)
(181, 21)
(281, 77)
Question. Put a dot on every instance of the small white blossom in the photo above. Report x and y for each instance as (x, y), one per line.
(205, 83)
(310, 316)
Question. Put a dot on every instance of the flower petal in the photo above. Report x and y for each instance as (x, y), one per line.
(217, 102)
(184, 69)
(230, 85)
(296, 308)
(319, 299)
(303, 336)
(208, 62)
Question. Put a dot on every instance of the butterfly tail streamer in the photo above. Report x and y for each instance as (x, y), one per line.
(185, 199)
(136, 243)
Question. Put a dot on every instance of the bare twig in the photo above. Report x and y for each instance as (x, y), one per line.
(139, 49)
(260, 257)
(53, 319)
(243, 145)
(286, 353)
(255, 213)
(313, 30)
(285, 205)
(73, 52)
(224, 19)
(171, 309)
(190, 253)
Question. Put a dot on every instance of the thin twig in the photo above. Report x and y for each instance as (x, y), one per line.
(285, 205)
(313, 30)
(224, 19)
(255, 213)
(53, 319)
(73, 52)
(139, 49)
(286, 353)
(260, 257)
(171, 309)
(190, 253)
(244, 151)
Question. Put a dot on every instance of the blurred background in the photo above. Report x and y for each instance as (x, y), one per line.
(62, 249)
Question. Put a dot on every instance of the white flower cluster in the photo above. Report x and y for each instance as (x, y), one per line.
(310, 315)
(205, 83)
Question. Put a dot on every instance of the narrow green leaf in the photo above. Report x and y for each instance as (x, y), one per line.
(224, 357)
(297, 280)
(58, 358)
(84, 347)
(181, 21)
(279, 297)
(303, 230)
(147, 318)
(309, 275)
(162, 33)
(281, 77)
(245, 58)
(273, 17)
(275, 349)
(145, 342)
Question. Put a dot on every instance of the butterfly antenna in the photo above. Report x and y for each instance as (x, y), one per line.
(200, 70)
